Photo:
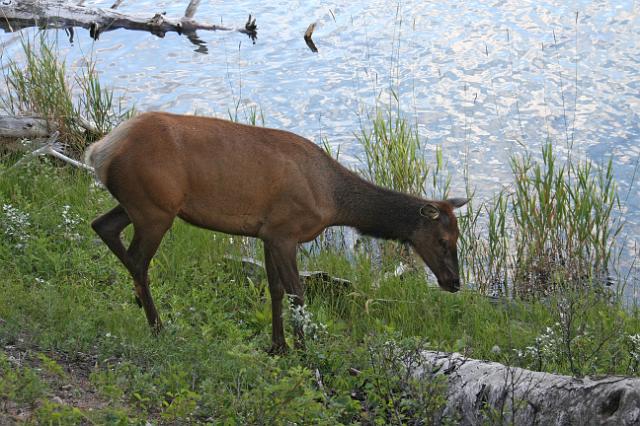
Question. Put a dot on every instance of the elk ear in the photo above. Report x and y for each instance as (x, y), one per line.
(457, 202)
(430, 210)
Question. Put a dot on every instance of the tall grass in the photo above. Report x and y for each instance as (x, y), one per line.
(555, 229)
(80, 108)
(563, 225)
(394, 156)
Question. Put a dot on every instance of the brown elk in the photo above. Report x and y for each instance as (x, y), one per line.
(251, 181)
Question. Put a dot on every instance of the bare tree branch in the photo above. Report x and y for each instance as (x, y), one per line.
(17, 14)
(191, 9)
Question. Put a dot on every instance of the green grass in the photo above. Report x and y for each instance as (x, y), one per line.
(64, 294)
(554, 229)
(76, 104)
(394, 157)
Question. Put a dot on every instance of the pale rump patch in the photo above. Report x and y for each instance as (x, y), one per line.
(100, 154)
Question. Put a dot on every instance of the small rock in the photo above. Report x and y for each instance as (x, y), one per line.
(57, 400)
(496, 349)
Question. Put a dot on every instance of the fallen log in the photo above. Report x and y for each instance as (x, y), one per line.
(311, 280)
(482, 392)
(24, 127)
(32, 126)
(17, 14)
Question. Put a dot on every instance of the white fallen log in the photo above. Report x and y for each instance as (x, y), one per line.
(24, 127)
(17, 14)
(31, 127)
(482, 392)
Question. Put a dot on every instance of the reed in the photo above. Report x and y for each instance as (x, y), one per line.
(79, 107)
(393, 155)
(555, 229)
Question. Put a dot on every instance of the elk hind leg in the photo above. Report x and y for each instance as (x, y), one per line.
(109, 226)
(147, 236)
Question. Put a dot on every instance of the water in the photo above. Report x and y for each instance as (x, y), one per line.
(482, 79)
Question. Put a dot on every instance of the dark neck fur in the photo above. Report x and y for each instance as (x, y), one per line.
(376, 211)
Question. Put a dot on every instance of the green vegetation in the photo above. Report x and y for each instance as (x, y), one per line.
(65, 296)
(394, 157)
(75, 348)
(79, 107)
(554, 231)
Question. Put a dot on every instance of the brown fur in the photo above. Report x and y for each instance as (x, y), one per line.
(252, 181)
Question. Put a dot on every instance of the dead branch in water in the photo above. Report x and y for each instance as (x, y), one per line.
(308, 39)
(18, 14)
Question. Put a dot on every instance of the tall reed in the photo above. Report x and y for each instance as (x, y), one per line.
(79, 107)
(555, 229)
(394, 157)
(564, 229)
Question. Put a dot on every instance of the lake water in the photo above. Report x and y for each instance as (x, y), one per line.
(483, 79)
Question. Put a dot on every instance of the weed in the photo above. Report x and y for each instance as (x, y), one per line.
(393, 156)
(51, 413)
(555, 231)
(15, 224)
(41, 86)
(18, 383)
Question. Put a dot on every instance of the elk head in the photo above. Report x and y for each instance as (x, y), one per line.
(435, 238)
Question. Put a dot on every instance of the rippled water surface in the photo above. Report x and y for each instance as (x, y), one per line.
(481, 78)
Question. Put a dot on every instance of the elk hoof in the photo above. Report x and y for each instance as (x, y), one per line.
(156, 328)
(278, 349)
(299, 345)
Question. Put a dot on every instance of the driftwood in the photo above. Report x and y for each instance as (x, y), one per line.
(32, 127)
(17, 14)
(311, 280)
(24, 127)
(307, 38)
(482, 392)
(55, 149)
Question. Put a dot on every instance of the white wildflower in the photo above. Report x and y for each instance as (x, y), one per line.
(15, 224)
(634, 349)
(303, 318)
(69, 223)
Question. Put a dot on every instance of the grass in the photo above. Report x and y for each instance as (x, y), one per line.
(78, 107)
(66, 296)
(394, 157)
(556, 229)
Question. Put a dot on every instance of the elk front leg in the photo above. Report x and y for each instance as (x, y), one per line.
(276, 290)
(282, 256)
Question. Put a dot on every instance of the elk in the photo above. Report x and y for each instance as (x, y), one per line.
(257, 182)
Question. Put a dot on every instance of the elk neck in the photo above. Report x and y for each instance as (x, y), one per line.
(375, 211)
